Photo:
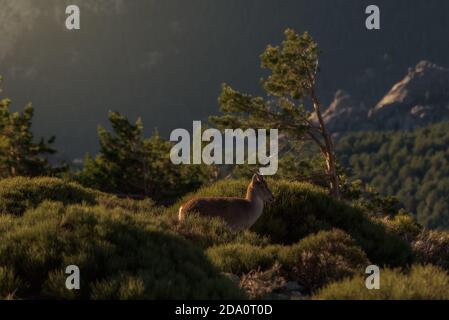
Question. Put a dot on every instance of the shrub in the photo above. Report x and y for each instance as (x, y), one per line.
(313, 261)
(404, 226)
(21, 193)
(243, 258)
(259, 284)
(118, 257)
(203, 232)
(8, 283)
(112, 202)
(421, 282)
(6, 222)
(323, 257)
(302, 209)
(432, 247)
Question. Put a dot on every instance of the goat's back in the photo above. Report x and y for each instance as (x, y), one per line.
(234, 211)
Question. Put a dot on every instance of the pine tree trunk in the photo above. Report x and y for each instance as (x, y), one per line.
(327, 150)
(332, 173)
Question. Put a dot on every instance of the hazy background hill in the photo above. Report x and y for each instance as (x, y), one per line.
(165, 60)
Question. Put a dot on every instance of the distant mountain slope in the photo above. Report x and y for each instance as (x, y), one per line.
(344, 114)
(419, 99)
(422, 97)
(412, 165)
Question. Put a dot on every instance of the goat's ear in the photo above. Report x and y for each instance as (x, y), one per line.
(259, 175)
(255, 178)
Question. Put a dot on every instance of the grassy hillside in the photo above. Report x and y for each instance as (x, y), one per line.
(302, 209)
(130, 249)
(411, 165)
(119, 257)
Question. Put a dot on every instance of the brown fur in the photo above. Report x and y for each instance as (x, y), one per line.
(238, 213)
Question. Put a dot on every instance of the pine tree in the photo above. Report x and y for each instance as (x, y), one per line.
(131, 165)
(293, 70)
(19, 155)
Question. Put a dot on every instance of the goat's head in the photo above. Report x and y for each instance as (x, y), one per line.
(260, 188)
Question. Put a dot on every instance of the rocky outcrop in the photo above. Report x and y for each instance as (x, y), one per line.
(421, 98)
(344, 114)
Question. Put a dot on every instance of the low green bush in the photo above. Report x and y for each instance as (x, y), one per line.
(6, 222)
(134, 206)
(421, 282)
(203, 232)
(242, 258)
(432, 247)
(314, 261)
(9, 283)
(302, 209)
(21, 193)
(118, 256)
(402, 225)
(323, 257)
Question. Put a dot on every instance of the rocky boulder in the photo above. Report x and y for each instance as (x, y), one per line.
(421, 98)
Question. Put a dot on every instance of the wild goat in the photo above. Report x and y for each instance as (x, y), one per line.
(238, 213)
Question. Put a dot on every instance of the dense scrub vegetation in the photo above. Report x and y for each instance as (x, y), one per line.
(432, 247)
(135, 249)
(202, 232)
(421, 282)
(414, 166)
(302, 209)
(314, 261)
(119, 257)
(19, 194)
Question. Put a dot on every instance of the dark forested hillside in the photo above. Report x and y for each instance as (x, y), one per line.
(412, 165)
